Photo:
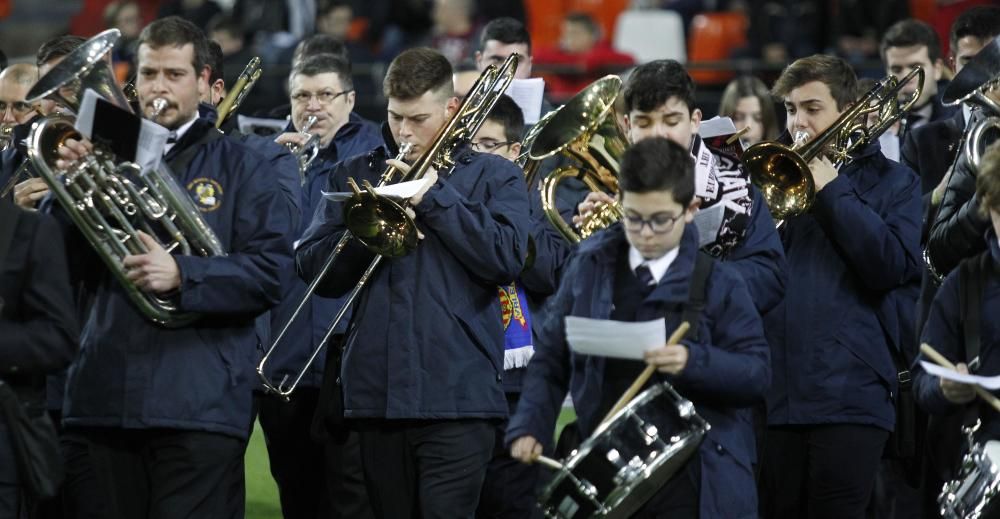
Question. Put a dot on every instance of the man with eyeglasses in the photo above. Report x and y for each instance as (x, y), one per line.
(315, 479)
(15, 82)
(648, 267)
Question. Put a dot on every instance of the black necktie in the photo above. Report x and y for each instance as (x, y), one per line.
(172, 138)
(646, 279)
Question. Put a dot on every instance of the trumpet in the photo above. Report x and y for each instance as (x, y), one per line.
(305, 153)
(6, 137)
(382, 224)
(782, 172)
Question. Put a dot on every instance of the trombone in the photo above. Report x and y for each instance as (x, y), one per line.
(782, 172)
(246, 80)
(395, 231)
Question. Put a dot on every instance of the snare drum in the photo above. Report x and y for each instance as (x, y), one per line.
(971, 496)
(627, 459)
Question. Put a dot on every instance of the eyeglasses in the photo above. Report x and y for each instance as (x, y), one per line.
(488, 145)
(325, 97)
(660, 223)
(18, 107)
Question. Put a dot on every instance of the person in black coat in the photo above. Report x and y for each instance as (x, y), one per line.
(958, 227)
(38, 328)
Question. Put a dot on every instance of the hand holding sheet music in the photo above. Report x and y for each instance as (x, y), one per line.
(607, 338)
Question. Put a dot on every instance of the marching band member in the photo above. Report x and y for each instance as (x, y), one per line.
(15, 82)
(423, 363)
(908, 44)
(509, 489)
(959, 226)
(947, 329)
(168, 410)
(642, 269)
(852, 262)
(314, 478)
(659, 102)
(38, 328)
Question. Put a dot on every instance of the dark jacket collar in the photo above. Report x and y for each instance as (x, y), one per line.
(604, 247)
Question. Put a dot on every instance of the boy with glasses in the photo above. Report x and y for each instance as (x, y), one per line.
(638, 270)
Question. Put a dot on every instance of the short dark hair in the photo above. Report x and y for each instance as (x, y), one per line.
(228, 24)
(324, 8)
(505, 30)
(57, 47)
(324, 64)
(214, 62)
(506, 113)
(981, 21)
(832, 71)
(417, 71)
(651, 84)
(585, 20)
(658, 164)
(912, 32)
(320, 44)
(174, 31)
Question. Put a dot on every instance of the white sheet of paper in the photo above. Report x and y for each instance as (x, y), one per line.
(152, 141)
(247, 124)
(708, 221)
(85, 119)
(716, 126)
(401, 190)
(991, 383)
(606, 338)
(527, 93)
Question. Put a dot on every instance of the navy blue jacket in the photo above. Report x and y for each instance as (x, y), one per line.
(426, 339)
(853, 272)
(134, 374)
(356, 137)
(727, 370)
(944, 331)
(760, 258)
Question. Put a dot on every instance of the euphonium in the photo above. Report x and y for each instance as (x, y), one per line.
(6, 137)
(585, 129)
(782, 172)
(382, 224)
(111, 201)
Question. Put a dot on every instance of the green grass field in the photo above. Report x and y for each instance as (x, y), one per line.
(262, 494)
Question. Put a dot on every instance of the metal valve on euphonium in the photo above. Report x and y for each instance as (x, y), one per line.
(782, 171)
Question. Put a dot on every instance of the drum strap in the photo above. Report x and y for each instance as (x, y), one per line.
(973, 275)
(697, 293)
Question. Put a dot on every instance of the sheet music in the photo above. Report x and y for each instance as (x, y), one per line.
(528, 93)
(709, 221)
(85, 119)
(990, 383)
(716, 126)
(401, 190)
(619, 339)
(248, 125)
(152, 142)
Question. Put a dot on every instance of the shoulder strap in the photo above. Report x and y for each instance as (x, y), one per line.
(697, 294)
(972, 277)
(180, 163)
(8, 222)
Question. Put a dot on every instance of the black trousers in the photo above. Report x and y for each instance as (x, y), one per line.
(316, 480)
(167, 473)
(509, 489)
(819, 471)
(425, 468)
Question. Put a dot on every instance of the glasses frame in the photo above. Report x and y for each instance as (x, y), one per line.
(316, 95)
(629, 224)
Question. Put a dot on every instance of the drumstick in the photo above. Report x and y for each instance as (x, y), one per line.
(643, 377)
(939, 359)
(548, 462)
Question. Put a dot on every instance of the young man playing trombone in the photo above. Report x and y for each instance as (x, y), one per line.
(853, 265)
(423, 363)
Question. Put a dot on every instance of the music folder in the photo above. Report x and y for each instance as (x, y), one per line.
(128, 136)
